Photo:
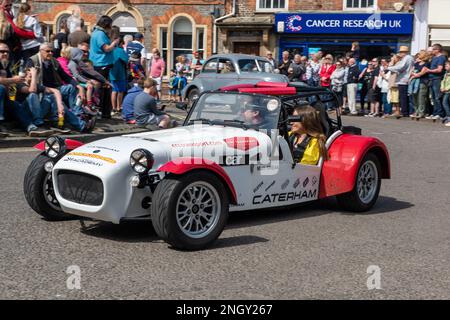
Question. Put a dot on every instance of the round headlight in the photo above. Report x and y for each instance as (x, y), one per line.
(54, 147)
(141, 160)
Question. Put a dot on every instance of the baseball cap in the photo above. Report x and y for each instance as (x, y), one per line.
(138, 36)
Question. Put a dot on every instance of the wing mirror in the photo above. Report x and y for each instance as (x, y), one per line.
(182, 106)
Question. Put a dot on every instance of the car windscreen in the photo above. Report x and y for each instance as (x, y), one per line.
(265, 66)
(237, 109)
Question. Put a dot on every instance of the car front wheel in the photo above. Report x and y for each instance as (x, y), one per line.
(367, 186)
(39, 192)
(193, 95)
(190, 211)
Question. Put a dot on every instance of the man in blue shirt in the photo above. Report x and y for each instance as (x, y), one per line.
(101, 55)
(436, 73)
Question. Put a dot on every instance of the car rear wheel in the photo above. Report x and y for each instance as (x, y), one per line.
(39, 192)
(193, 95)
(190, 212)
(367, 186)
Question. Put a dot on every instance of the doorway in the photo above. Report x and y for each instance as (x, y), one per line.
(251, 48)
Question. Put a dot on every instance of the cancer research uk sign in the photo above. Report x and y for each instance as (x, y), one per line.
(348, 23)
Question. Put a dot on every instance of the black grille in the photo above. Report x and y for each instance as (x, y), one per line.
(80, 187)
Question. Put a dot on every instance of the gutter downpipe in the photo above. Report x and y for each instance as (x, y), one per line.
(215, 25)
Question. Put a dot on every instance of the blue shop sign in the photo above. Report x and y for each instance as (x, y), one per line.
(347, 23)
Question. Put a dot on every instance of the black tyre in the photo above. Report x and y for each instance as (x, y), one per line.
(190, 211)
(38, 190)
(367, 186)
(193, 95)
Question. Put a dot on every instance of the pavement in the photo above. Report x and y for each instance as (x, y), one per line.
(316, 251)
(104, 128)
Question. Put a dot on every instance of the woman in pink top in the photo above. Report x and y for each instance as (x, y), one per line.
(157, 70)
(326, 71)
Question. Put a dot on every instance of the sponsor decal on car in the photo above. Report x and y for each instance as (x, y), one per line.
(296, 183)
(285, 184)
(102, 148)
(258, 187)
(235, 160)
(196, 144)
(84, 161)
(94, 156)
(305, 183)
(314, 181)
(242, 143)
(270, 185)
(284, 196)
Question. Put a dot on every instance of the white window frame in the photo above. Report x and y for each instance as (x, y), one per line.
(375, 5)
(258, 9)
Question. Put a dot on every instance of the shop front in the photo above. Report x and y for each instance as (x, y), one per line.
(378, 34)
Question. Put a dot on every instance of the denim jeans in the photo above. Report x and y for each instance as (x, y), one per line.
(387, 107)
(19, 112)
(446, 104)
(435, 87)
(69, 116)
(69, 95)
(41, 108)
(2, 102)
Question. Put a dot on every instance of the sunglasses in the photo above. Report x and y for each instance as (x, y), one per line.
(48, 51)
(4, 51)
(85, 51)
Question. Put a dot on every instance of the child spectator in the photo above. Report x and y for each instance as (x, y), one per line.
(173, 83)
(182, 69)
(128, 102)
(445, 89)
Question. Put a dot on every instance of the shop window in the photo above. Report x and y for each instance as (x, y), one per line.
(201, 42)
(359, 4)
(163, 41)
(182, 39)
(271, 5)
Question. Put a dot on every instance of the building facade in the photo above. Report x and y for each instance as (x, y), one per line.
(305, 26)
(174, 26)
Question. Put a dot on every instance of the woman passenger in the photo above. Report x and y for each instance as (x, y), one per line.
(307, 137)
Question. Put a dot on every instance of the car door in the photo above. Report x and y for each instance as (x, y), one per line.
(208, 76)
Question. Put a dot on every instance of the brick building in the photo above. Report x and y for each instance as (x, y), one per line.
(174, 26)
(258, 26)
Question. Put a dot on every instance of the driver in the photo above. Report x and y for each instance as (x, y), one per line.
(307, 137)
(256, 115)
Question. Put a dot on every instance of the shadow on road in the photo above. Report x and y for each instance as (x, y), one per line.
(135, 232)
(315, 209)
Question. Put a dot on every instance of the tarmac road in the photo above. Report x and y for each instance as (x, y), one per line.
(311, 252)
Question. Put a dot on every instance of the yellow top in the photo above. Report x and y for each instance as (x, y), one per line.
(312, 152)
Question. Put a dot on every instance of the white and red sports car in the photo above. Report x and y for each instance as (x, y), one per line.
(187, 179)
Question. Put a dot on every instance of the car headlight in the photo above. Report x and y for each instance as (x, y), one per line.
(55, 147)
(141, 160)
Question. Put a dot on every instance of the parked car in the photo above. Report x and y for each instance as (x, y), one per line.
(228, 69)
(186, 179)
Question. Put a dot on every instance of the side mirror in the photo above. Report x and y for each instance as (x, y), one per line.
(182, 106)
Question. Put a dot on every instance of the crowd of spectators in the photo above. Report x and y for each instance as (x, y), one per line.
(398, 85)
(69, 81)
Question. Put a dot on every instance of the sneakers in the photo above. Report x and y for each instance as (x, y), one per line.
(131, 122)
(62, 130)
(90, 124)
(429, 117)
(447, 124)
(34, 131)
(436, 117)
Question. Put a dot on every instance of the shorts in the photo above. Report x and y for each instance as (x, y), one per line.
(173, 92)
(374, 95)
(154, 119)
(394, 95)
(158, 83)
(119, 86)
